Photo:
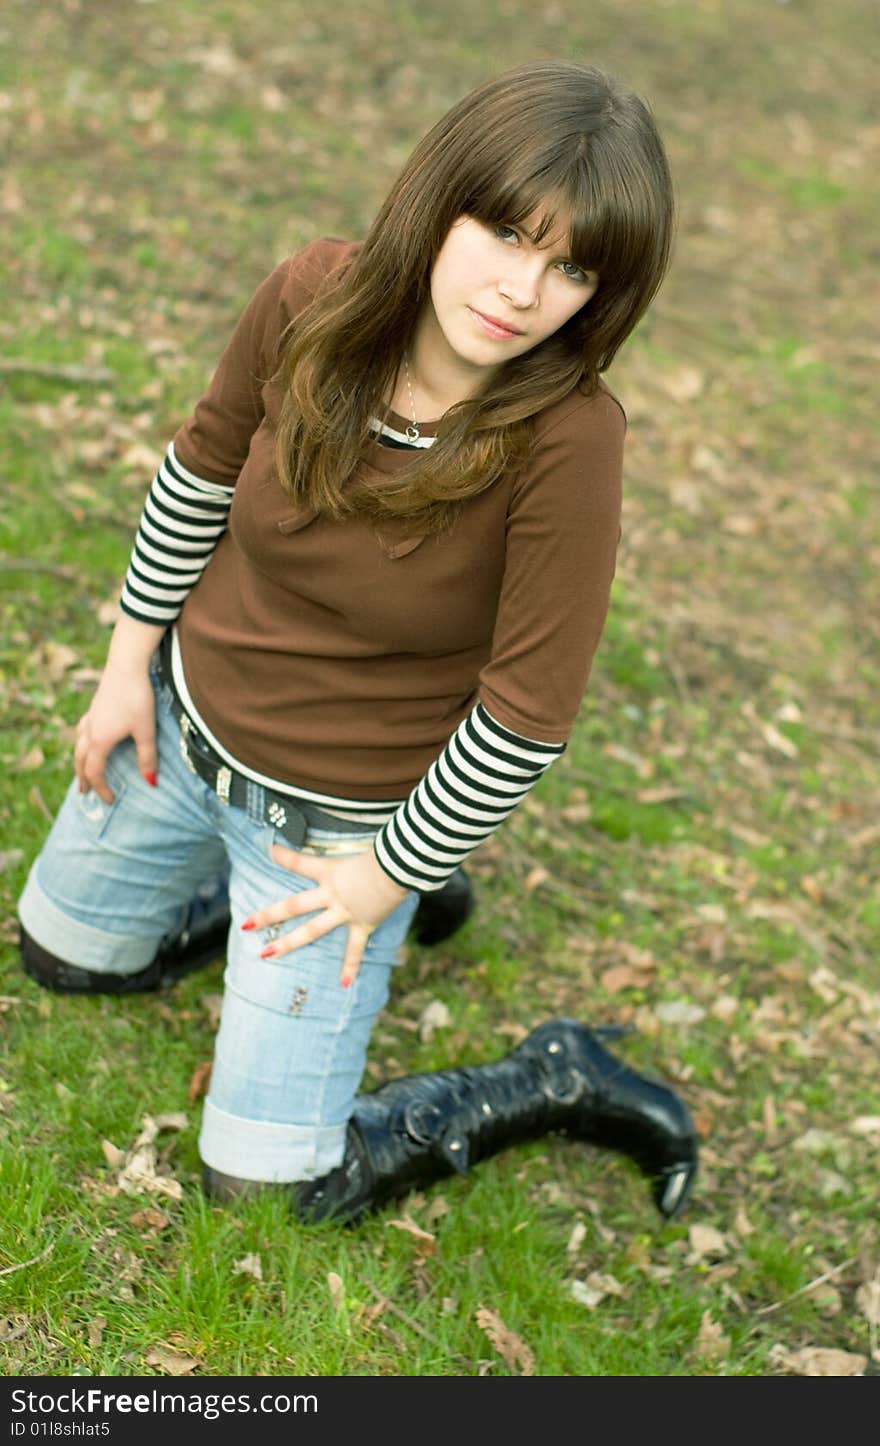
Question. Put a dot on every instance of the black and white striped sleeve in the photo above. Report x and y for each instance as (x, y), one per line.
(183, 519)
(484, 771)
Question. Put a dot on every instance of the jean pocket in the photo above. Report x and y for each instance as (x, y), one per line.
(94, 813)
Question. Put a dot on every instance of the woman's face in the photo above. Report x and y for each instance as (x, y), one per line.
(495, 294)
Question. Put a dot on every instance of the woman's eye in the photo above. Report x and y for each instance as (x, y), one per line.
(505, 233)
(575, 273)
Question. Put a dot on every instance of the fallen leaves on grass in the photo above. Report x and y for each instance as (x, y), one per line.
(336, 1288)
(535, 878)
(634, 972)
(592, 1291)
(249, 1265)
(433, 1017)
(517, 1356)
(711, 1343)
(425, 1242)
(137, 1166)
(818, 1361)
(34, 758)
(171, 1362)
(576, 1238)
(149, 1220)
(199, 1081)
(705, 1241)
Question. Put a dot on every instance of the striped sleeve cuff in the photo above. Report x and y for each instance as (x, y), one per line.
(183, 519)
(482, 774)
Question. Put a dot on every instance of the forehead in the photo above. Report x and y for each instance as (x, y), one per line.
(549, 228)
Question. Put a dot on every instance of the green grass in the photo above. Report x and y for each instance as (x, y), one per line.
(679, 837)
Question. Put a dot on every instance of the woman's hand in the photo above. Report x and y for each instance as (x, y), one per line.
(123, 707)
(355, 891)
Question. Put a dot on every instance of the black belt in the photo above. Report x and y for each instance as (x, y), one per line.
(291, 817)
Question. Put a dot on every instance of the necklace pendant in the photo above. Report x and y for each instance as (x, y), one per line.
(412, 433)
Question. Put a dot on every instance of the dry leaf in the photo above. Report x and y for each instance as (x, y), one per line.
(608, 1284)
(827, 1298)
(585, 1295)
(174, 1120)
(741, 524)
(576, 1238)
(659, 795)
(512, 1348)
(137, 1167)
(249, 1265)
(682, 384)
(711, 1343)
(34, 758)
(150, 1220)
(370, 1313)
(535, 877)
(170, 1361)
(212, 1005)
(141, 458)
(868, 1300)
(337, 1293)
(705, 1240)
(778, 741)
(59, 657)
(866, 1125)
(96, 1330)
(819, 1361)
(199, 1081)
(742, 1224)
(633, 975)
(679, 1011)
(427, 1243)
(112, 1155)
(434, 1016)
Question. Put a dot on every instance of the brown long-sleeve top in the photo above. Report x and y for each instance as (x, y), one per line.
(370, 670)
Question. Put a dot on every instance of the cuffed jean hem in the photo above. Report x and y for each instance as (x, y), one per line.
(268, 1152)
(82, 944)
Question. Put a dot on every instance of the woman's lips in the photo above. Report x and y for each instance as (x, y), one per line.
(494, 328)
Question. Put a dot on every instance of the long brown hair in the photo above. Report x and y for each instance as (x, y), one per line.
(550, 134)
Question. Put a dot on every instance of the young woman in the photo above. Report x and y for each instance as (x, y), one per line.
(356, 629)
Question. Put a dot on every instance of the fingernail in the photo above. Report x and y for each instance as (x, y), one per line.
(249, 924)
(346, 982)
(269, 952)
(152, 779)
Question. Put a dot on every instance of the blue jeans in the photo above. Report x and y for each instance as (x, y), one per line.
(114, 879)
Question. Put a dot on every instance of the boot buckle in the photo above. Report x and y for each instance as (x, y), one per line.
(422, 1122)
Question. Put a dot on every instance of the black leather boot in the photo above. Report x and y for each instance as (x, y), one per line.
(413, 1131)
(201, 939)
(441, 913)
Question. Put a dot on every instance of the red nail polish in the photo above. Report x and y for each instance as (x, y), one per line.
(249, 924)
(152, 779)
(268, 952)
(346, 982)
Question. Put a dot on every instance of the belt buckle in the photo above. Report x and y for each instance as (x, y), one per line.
(224, 780)
(185, 726)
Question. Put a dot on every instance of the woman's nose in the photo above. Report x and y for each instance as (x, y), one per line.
(522, 287)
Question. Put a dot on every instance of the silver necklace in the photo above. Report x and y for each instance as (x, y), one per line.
(412, 432)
